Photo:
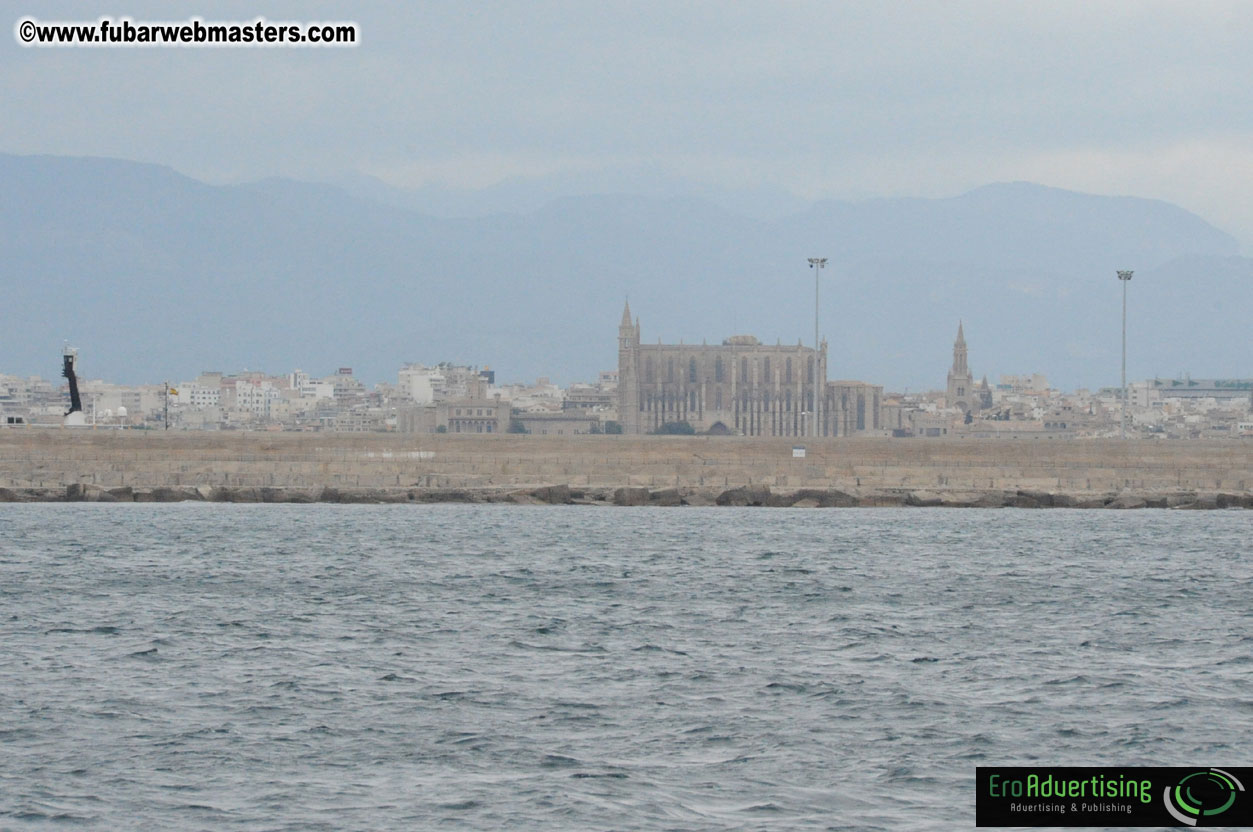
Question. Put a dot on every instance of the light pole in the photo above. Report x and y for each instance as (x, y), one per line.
(817, 264)
(1124, 277)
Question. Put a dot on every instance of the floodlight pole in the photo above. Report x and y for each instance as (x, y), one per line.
(817, 264)
(1124, 277)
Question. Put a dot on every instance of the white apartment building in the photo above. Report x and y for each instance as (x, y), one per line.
(101, 396)
(198, 396)
(254, 396)
(419, 382)
(308, 387)
(443, 382)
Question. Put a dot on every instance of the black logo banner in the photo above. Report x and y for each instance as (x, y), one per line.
(1203, 796)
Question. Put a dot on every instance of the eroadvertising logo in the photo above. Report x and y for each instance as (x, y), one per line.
(1203, 795)
(1112, 796)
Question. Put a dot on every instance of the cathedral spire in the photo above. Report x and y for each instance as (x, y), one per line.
(626, 314)
(959, 353)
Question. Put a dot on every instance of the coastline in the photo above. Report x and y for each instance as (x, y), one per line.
(59, 465)
(739, 496)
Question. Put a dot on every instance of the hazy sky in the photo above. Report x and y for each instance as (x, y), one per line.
(825, 99)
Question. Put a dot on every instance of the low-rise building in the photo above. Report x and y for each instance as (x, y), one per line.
(564, 423)
(477, 415)
(991, 429)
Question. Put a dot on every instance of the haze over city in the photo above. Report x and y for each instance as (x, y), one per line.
(689, 157)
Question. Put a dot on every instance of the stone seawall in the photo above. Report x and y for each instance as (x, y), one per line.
(46, 462)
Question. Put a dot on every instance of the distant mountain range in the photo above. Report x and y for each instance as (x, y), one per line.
(155, 276)
(524, 195)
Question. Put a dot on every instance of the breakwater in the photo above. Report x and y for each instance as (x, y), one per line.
(278, 467)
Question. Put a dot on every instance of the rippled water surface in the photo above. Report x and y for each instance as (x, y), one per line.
(200, 666)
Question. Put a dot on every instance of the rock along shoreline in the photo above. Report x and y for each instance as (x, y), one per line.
(756, 495)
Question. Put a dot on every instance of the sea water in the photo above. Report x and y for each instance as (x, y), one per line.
(205, 666)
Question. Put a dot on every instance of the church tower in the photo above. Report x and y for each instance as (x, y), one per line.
(628, 373)
(985, 394)
(961, 385)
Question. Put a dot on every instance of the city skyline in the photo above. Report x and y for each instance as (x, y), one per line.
(738, 388)
(283, 274)
(345, 367)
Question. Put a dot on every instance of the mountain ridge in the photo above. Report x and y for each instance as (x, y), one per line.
(157, 275)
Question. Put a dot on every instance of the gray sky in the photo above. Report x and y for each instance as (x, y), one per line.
(825, 99)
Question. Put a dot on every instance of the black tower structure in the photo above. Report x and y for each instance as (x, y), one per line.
(68, 367)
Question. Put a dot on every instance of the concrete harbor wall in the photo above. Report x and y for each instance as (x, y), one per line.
(47, 461)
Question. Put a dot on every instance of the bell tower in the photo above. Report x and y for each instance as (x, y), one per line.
(961, 393)
(628, 373)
